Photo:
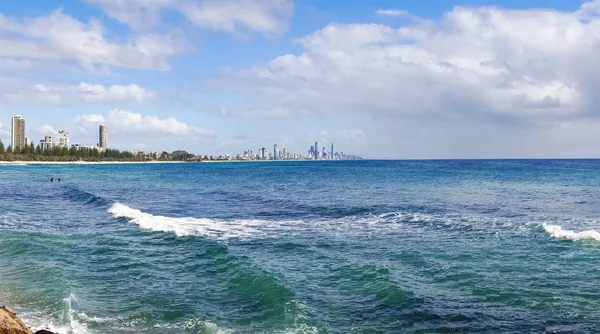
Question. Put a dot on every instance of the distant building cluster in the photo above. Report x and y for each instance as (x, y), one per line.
(19, 141)
(282, 154)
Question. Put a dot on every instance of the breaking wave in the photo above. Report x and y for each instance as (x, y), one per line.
(257, 228)
(558, 232)
(188, 226)
(68, 321)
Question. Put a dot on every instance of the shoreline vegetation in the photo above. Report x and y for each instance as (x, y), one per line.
(58, 154)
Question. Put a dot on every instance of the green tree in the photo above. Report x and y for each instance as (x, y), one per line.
(1, 147)
(31, 149)
(9, 149)
(38, 150)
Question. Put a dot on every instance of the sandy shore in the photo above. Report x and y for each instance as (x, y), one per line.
(85, 162)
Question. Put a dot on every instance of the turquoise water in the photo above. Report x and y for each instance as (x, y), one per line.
(303, 247)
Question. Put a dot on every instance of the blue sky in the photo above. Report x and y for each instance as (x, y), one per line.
(379, 78)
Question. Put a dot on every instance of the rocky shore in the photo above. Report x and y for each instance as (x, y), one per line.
(11, 324)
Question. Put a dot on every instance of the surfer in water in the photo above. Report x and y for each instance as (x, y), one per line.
(52, 180)
(59, 179)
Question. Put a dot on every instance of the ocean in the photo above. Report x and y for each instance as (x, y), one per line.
(487, 246)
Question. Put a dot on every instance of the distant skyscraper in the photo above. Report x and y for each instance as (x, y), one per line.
(275, 151)
(103, 137)
(331, 156)
(63, 139)
(17, 136)
(316, 150)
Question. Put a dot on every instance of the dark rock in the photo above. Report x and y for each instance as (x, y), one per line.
(43, 331)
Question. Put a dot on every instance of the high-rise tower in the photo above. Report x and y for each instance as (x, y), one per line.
(103, 137)
(17, 135)
(331, 156)
(316, 150)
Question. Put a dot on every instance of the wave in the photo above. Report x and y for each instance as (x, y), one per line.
(12, 164)
(188, 226)
(68, 323)
(256, 228)
(251, 228)
(558, 232)
(77, 195)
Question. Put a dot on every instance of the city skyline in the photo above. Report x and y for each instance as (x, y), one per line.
(56, 135)
(62, 139)
(20, 141)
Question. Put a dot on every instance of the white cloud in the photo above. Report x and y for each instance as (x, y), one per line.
(95, 119)
(476, 62)
(263, 16)
(139, 14)
(59, 38)
(353, 134)
(15, 91)
(47, 129)
(128, 122)
(8, 64)
(93, 93)
(322, 137)
(482, 81)
(392, 12)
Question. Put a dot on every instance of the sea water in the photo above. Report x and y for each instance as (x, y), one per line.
(303, 247)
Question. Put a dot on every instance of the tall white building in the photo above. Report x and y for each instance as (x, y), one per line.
(47, 143)
(103, 137)
(62, 140)
(17, 135)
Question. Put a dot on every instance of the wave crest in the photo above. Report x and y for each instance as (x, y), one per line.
(187, 226)
(256, 228)
(561, 233)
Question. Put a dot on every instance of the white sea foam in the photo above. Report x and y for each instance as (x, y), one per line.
(8, 220)
(8, 163)
(189, 226)
(67, 324)
(204, 326)
(251, 229)
(561, 233)
(245, 228)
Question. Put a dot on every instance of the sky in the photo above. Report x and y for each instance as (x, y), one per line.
(389, 79)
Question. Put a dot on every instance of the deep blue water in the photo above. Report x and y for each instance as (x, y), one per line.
(303, 247)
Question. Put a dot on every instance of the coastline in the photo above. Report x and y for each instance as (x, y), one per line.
(20, 163)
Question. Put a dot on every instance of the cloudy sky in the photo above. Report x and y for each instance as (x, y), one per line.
(379, 78)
